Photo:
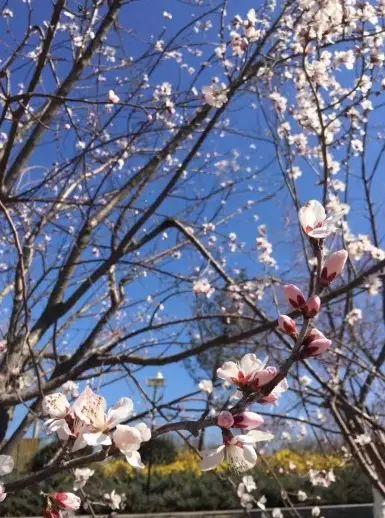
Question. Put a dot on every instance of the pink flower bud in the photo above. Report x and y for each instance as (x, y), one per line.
(262, 377)
(314, 344)
(287, 325)
(248, 420)
(333, 267)
(66, 500)
(312, 307)
(294, 296)
(225, 419)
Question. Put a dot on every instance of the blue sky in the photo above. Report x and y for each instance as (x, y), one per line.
(147, 20)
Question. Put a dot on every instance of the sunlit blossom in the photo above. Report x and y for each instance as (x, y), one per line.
(312, 306)
(206, 386)
(314, 221)
(90, 409)
(128, 439)
(238, 451)
(215, 95)
(294, 296)
(249, 372)
(81, 477)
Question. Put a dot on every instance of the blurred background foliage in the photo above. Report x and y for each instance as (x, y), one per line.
(177, 484)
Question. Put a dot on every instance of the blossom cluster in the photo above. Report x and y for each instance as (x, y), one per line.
(246, 498)
(249, 376)
(265, 248)
(317, 226)
(86, 423)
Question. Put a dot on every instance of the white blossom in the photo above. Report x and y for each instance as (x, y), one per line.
(238, 451)
(114, 499)
(206, 386)
(301, 495)
(81, 477)
(354, 316)
(203, 287)
(215, 95)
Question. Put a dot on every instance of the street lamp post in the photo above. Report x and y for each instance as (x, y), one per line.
(156, 383)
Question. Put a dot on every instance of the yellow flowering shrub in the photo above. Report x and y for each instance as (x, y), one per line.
(300, 462)
(116, 468)
(188, 462)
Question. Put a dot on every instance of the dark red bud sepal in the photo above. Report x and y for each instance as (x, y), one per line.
(263, 377)
(287, 326)
(333, 267)
(312, 306)
(314, 344)
(294, 296)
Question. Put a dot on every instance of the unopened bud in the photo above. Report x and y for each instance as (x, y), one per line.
(248, 420)
(287, 325)
(314, 344)
(294, 296)
(312, 306)
(333, 267)
(225, 419)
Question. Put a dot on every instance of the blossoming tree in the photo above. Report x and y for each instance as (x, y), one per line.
(133, 160)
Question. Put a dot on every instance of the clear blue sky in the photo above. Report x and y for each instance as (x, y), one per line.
(147, 20)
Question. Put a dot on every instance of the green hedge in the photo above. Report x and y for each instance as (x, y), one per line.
(188, 492)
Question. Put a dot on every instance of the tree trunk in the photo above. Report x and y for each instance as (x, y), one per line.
(378, 504)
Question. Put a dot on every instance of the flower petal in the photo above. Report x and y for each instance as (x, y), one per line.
(320, 232)
(55, 405)
(144, 430)
(127, 438)
(120, 412)
(134, 459)
(6, 464)
(228, 371)
(256, 436)
(212, 458)
(235, 455)
(2, 494)
(90, 408)
(60, 427)
(97, 439)
(311, 214)
(250, 363)
(79, 443)
(250, 454)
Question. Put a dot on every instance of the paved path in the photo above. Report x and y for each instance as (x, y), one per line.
(327, 511)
